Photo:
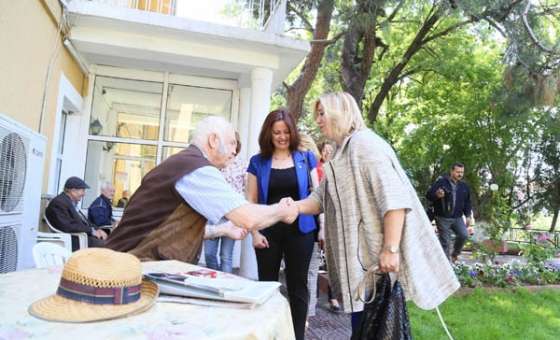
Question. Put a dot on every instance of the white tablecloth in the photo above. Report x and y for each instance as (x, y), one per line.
(18, 290)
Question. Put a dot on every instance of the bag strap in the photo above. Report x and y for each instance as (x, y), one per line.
(361, 290)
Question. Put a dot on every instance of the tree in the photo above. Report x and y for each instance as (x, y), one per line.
(547, 172)
(368, 26)
(455, 112)
(298, 89)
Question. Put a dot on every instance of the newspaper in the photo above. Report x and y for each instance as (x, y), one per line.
(204, 302)
(211, 288)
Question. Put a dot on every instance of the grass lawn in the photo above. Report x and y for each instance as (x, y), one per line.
(507, 315)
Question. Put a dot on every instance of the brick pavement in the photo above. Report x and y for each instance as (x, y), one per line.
(327, 325)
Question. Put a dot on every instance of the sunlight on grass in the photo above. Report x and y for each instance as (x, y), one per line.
(488, 316)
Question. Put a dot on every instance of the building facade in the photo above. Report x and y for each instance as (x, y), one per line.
(118, 86)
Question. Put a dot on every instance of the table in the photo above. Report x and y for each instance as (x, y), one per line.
(271, 320)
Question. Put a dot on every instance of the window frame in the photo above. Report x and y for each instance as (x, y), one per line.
(167, 79)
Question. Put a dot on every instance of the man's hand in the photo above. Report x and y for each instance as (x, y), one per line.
(259, 241)
(440, 193)
(389, 262)
(100, 234)
(235, 233)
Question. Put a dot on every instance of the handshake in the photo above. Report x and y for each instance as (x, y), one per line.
(288, 210)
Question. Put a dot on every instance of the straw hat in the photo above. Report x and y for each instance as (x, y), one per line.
(97, 284)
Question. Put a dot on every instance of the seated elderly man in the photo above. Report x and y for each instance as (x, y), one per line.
(165, 219)
(100, 212)
(64, 214)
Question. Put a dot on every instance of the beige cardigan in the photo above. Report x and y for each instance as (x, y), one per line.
(362, 183)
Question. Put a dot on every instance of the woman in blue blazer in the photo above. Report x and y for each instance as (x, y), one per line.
(278, 171)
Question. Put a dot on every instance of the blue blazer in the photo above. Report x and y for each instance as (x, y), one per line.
(303, 162)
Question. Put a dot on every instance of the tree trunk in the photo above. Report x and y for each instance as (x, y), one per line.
(395, 73)
(554, 220)
(358, 54)
(297, 91)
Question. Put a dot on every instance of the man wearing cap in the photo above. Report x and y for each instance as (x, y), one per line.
(165, 218)
(64, 214)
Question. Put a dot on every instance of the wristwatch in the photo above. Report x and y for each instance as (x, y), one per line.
(391, 249)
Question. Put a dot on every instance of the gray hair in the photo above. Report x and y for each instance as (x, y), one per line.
(105, 185)
(208, 126)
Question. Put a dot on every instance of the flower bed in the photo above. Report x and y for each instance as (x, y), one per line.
(506, 275)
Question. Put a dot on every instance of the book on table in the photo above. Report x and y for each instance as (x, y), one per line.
(209, 287)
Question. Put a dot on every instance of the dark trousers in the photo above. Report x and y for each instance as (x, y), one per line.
(356, 319)
(296, 248)
(445, 226)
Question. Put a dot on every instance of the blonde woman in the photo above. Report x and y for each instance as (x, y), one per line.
(373, 218)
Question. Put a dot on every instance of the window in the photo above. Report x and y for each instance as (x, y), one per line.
(136, 124)
(126, 108)
(187, 105)
(60, 149)
(123, 164)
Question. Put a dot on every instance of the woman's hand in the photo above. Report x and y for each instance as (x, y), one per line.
(259, 241)
(389, 262)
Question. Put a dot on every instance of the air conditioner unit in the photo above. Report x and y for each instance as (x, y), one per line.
(22, 153)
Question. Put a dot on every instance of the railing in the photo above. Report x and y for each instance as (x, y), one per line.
(521, 235)
(263, 15)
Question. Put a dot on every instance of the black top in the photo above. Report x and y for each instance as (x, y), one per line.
(283, 183)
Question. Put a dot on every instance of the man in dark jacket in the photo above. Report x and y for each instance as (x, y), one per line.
(100, 212)
(63, 213)
(451, 199)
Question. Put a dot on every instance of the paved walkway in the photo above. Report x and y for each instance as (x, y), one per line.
(327, 325)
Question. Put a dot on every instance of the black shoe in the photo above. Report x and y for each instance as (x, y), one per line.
(334, 306)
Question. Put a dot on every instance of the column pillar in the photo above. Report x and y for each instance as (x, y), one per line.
(260, 92)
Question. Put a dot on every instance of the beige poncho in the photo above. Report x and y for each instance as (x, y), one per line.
(362, 183)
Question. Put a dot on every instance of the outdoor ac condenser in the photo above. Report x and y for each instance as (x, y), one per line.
(22, 153)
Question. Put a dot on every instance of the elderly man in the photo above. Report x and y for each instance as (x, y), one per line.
(165, 218)
(100, 212)
(64, 214)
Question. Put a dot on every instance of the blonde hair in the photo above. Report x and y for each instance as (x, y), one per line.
(306, 143)
(342, 111)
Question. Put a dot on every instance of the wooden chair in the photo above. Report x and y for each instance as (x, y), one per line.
(47, 254)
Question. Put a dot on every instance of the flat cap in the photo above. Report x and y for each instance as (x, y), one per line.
(75, 183)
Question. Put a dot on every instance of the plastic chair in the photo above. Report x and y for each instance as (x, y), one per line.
(62, 239)
(82, 237)
(47, 254)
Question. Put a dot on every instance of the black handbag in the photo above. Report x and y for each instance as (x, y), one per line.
(386, 317)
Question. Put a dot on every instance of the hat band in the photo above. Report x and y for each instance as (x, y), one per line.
(99, 296)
